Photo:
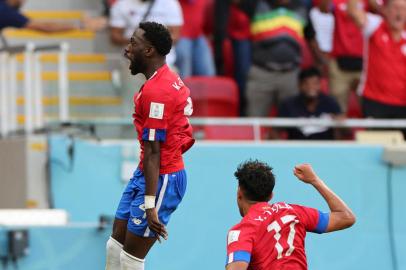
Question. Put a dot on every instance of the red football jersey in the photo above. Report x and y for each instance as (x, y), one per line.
(161, 112)
(384, 74)
(347, 37)
(272, 236)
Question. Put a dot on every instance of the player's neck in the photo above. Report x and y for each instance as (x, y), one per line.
(153, 67)
(247, 206)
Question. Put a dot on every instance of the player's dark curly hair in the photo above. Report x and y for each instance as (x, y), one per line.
(158, 35)
(256, 180)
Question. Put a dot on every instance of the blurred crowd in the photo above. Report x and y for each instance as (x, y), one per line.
(289, 58)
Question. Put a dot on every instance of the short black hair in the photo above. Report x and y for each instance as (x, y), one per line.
(256, 180)
(158, 35)
(309, 72)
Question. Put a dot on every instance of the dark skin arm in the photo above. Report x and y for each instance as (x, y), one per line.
(341, 216)
(151, 163)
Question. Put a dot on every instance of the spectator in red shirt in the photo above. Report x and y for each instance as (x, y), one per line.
(383, 85)
(193, 53)
(347, 52)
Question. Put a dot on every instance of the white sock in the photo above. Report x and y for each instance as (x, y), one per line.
(113, 250)
(129, 262)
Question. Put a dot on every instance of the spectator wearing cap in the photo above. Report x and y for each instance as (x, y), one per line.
(193, 54)
(383, 84)
(310, 103)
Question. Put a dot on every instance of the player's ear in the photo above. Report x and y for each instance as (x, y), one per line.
(240, 195)
(270, 197)
(149, 51)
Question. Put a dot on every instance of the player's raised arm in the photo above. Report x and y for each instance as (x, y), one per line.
(341, 216)
(237, 266)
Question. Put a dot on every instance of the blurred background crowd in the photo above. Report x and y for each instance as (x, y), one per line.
(290, 58)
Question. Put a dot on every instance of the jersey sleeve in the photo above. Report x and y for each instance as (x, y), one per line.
(314, 220)
(240, 240)
(372, 23)
(156, 111)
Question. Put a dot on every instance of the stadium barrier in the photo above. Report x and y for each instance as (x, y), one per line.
(256, 123)
(32, 85)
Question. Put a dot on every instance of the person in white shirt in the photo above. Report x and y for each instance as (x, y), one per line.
(323, 24)
(126, 15)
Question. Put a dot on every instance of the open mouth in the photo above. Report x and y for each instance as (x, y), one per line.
(130, 62)
(127, 57)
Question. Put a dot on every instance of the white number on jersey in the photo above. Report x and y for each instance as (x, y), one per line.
(188, 111)
(275, 226)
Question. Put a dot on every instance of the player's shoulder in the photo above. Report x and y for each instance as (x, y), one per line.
(302, 211)
(283, 208)
(246, 226)
(165, 82)
(257, 215)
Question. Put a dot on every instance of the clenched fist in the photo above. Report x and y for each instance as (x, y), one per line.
(305, 173)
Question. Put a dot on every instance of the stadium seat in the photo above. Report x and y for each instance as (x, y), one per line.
(228, 133)
(217, 97)
(213, 96)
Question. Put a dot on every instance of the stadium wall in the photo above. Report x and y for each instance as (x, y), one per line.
(86, 180)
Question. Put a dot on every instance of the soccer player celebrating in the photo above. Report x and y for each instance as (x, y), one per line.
(271, 236)
(161, 112)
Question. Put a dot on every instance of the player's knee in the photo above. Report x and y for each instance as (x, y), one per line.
(129, 262)
(113, 251)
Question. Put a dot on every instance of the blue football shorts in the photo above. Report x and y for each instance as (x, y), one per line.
(171, 189)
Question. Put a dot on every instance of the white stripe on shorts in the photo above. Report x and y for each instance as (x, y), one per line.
(160, 199)
(151, 136)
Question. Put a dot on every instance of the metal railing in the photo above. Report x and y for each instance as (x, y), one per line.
(257, 123)
(32, 86)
